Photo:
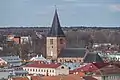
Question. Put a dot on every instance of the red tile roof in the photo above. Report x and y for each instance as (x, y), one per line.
(68, 77)
(90, 67)
(36, 78)
(43, 65)
(110, 69)
(89, 78)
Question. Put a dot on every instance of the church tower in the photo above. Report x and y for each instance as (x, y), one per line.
(55, 39)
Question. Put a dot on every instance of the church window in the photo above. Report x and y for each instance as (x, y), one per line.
(52, 46)
(61, 41)
(51, 41)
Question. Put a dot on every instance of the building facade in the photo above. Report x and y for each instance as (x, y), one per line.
(55, 39)
(49, 69)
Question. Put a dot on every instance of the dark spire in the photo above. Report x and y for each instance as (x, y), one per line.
(56, 30)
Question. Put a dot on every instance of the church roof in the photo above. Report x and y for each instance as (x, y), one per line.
(72, 52)
(56, 30)
(92, 57)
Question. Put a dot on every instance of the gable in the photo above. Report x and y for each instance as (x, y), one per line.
(62, 67)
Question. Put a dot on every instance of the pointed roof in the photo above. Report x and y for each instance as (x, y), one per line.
(56, 30)
(92, 57)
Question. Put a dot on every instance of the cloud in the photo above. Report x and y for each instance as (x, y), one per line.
(115, 7)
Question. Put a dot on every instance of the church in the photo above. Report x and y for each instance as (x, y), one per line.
(56, 46)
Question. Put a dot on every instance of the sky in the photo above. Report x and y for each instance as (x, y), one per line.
(101, 13)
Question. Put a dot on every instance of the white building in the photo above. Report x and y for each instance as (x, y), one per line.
(4, 75)
(12, 72)
(38, 58)
(25, 39)
(10, 60)
(49, 69)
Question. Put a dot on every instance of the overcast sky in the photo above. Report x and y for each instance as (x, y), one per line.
(71, 12)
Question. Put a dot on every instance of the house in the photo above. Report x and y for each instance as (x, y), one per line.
(25, 39)
(19, 39)
(4, 75)
(13, 72)
(110, 72)
(10, 60)
(47, 69)
(16, 39)
(88, 68)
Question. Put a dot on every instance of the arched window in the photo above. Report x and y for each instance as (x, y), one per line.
(51, 41)
(60, 60)
(62, 67)
(61, 41)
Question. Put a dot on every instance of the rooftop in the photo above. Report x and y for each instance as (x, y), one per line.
(43, 65)
(56, 30)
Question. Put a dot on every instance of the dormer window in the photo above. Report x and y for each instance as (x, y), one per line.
(51, 41)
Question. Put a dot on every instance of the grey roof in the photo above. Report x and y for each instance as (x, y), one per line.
(56, 30)
(92, 57)
(72, 52)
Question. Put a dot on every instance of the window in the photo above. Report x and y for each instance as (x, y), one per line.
(60, 60)
(69, 68)
(62, 67)
(33, 69)
(52, 70)
(51, 41)
(61, 41)
(41, 70)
